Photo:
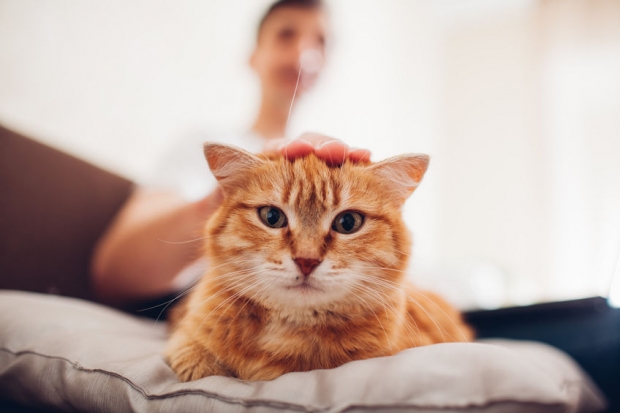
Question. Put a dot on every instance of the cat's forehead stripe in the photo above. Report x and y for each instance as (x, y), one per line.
(286, 191)
(323, 189)
(313, 192)
(335, 192)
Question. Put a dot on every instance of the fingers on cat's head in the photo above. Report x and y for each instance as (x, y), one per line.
(401, 174)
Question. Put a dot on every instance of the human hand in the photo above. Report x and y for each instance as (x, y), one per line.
(333, 151)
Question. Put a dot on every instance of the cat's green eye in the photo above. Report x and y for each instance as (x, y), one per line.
(272, 217)
(348, 222)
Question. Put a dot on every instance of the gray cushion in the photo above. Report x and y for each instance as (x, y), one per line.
(76, 355)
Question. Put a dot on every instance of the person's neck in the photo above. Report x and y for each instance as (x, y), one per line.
(271, 120)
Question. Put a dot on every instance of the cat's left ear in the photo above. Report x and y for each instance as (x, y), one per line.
(402, 174)
(229, 162)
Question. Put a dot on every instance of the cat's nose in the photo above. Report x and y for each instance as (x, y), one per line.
(306, 265)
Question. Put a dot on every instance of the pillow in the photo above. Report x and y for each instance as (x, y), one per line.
(76, 355)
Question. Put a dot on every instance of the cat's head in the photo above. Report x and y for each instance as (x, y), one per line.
(301, 235)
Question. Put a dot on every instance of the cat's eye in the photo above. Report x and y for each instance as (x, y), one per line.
(272, 217)
(348, 222)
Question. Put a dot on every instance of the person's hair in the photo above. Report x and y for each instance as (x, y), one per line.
(305, 4)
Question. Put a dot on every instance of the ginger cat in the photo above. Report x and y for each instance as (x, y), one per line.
(306, 270)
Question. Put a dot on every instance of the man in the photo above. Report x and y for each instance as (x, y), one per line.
(133, 261)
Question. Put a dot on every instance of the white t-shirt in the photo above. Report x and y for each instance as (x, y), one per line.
(183, 167)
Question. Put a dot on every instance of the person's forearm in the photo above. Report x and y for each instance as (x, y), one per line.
(147, 245)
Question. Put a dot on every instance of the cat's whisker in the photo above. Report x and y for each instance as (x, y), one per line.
(181, 242)
(376, 267)
(236, 297)
(228, 276)
(166, 304)
(233, 297)
(231, 284)
(234, 263)
(440, 329)
(385, 300)
(434, 319)
(395, 288)
(252, 297)
(463, 336)
(387, 337)
(407, 254)
(230, 287)
(180, 295)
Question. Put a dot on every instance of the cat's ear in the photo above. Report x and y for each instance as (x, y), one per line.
(402, 174)
(227, 162)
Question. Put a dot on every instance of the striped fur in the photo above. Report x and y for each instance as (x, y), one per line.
(249, 317)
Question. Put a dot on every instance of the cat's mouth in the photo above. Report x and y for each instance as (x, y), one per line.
(304, 287)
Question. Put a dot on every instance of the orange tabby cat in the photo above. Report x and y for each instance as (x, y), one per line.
(306, 270)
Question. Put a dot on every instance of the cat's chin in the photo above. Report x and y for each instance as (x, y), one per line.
(302, 296)
(305, 288)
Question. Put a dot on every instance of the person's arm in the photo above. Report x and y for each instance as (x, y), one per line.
(147, 245)
(151, 239)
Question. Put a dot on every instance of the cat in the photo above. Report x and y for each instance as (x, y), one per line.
(306, 270)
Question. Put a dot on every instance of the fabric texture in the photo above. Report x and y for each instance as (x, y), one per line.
(79, 356)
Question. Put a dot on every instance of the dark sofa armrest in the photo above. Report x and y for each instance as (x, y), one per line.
(53, 209)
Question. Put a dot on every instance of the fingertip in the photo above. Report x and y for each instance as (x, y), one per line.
(359, 155)
(296, 148)
(333, 152)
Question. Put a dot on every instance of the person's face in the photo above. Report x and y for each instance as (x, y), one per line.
(286, 34)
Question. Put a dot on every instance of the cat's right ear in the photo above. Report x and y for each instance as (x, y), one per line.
(402, 174)
(227, 162)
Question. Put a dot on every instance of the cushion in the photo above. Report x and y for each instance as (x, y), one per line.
(76, 355)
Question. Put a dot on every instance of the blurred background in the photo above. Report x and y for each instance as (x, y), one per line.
(516, 101)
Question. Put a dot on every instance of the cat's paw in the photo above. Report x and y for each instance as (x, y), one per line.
(187, 370)
(193, 362)
(264, 375)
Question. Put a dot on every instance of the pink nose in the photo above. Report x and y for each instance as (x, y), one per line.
(306, 265)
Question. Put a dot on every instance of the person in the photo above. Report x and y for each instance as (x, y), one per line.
(150, 242)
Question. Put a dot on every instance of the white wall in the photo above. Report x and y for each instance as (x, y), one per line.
(114, 81)
(517, 102)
